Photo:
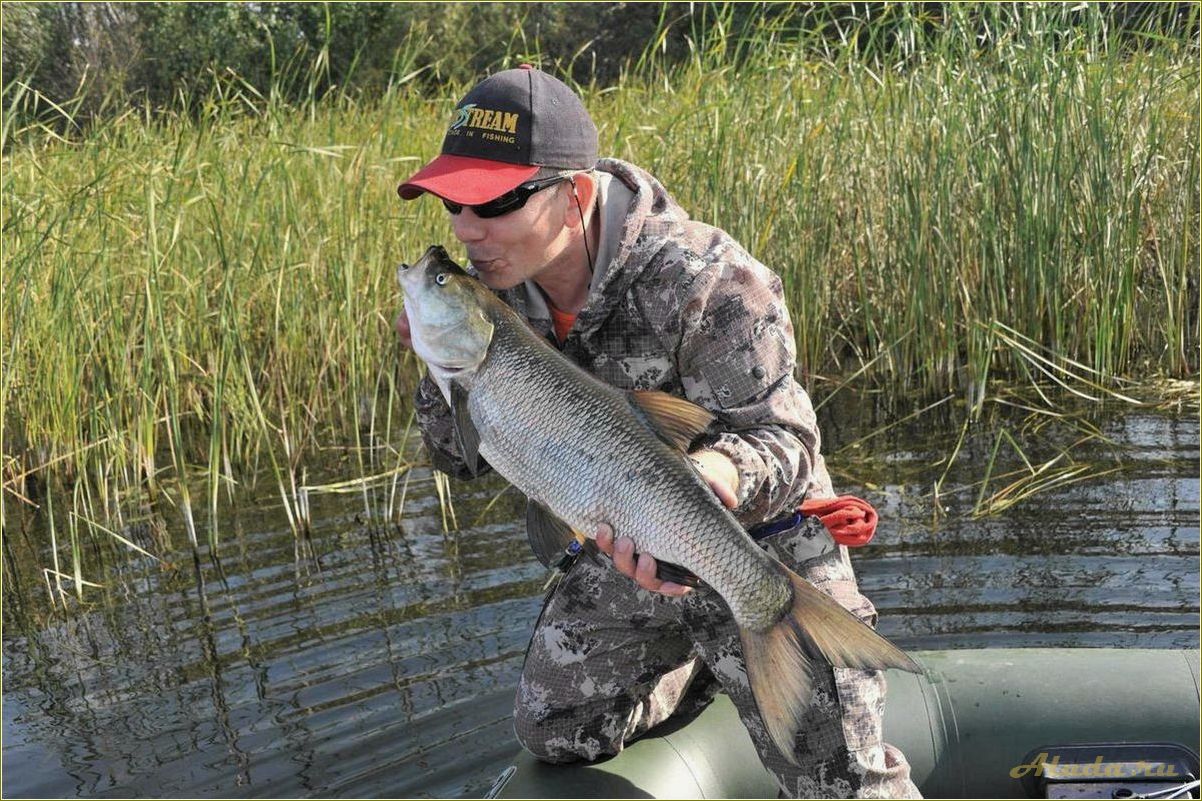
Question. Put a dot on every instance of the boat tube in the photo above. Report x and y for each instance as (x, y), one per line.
(986, 723)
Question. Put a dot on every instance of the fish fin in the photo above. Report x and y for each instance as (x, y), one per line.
(674, 420)
(779, 660)
(590, 551)
(548, 535)
(465, 430)
(828, 630)
(781, 681)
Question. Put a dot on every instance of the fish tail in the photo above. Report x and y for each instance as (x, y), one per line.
(781, 681)
(779, 659)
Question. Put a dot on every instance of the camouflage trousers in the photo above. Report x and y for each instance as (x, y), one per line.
(609, 660)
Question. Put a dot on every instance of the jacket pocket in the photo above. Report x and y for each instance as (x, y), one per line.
(861, 692)
(861, 706)
(803, 543)
(740, 372)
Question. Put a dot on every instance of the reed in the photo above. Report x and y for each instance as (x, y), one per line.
(1013, 166)
(200, 299)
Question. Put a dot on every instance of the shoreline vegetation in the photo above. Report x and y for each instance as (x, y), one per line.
(202, 297)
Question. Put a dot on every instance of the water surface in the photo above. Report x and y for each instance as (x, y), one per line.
(379, 658)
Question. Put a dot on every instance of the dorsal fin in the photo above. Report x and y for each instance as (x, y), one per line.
(675, 420)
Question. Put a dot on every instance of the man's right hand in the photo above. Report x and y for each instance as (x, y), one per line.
(642, 571)
(402, 330)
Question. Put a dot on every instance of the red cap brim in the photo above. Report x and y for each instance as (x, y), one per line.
(466, 180)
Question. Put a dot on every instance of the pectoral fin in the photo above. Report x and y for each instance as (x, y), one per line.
(674, 420)
(465, 430)
(548, 535)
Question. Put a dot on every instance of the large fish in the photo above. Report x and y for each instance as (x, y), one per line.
(586, 453)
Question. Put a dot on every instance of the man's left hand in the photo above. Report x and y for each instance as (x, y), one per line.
(720, 473)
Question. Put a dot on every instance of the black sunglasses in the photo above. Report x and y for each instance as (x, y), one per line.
(512, 200)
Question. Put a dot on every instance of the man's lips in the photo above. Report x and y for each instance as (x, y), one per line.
(485, 265)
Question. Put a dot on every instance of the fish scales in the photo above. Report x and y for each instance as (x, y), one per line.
(574, 444)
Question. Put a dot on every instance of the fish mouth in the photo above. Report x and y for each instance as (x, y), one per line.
(450, 371)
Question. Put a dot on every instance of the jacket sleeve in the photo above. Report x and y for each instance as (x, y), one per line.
(438, 431)
(736, 358)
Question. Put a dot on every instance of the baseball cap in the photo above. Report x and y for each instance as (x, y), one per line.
(505, 129)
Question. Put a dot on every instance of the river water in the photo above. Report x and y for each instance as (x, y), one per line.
(379, 658)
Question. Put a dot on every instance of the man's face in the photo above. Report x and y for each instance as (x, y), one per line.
(518, 246)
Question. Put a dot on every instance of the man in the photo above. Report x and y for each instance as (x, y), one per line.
(596, 255)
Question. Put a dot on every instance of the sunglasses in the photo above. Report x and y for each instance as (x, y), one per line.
(512, 200)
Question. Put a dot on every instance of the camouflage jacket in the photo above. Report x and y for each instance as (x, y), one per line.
(681, 307)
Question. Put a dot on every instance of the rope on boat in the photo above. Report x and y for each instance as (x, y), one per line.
(1177, 791)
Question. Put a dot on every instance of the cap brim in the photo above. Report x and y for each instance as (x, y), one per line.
(466, 180)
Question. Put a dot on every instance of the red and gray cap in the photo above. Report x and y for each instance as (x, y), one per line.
(503, 131)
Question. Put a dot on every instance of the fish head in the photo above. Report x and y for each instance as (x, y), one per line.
(448, 314)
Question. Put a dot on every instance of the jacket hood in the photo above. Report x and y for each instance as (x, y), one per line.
(651, 217)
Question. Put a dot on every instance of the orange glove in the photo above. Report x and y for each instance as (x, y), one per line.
(850, 520)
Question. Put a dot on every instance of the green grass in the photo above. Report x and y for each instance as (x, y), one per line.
(193, 301)
(1048, 183)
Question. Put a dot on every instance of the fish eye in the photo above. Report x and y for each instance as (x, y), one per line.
(403, 267)
(441, 279)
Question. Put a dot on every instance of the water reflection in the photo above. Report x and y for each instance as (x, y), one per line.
(379, 658)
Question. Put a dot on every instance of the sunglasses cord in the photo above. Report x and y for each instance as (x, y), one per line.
(583, 227)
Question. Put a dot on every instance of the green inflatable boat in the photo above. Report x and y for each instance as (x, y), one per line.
(989, 723)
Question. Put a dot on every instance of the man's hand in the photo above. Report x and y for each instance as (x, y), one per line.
(643, 572)
(722, 476)
(720, 473)
(402, 330)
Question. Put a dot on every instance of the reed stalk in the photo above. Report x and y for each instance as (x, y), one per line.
(208, 290)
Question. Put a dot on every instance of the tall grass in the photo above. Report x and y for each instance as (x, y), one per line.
(195, 300)
(1012, 166)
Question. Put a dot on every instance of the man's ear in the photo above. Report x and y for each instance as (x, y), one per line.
(582, 190)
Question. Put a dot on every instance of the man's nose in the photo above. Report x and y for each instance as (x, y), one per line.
(467, 226)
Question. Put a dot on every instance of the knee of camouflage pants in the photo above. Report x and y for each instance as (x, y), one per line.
(606, 662)
(563, 735)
